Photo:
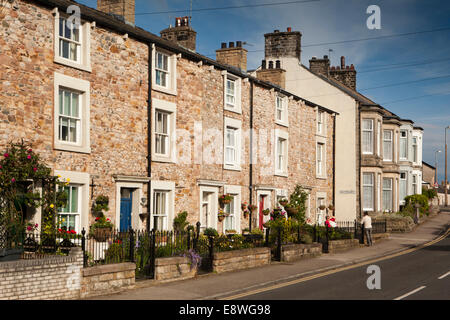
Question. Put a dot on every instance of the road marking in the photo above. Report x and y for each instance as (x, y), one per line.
(410, 293)
(285, 284)
(444, 275)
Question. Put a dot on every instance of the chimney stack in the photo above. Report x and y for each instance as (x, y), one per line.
(344, 74)
(283, 44)
(235, 56)
(120, 9)
(320, 66)
(276, 75)
(182, 34)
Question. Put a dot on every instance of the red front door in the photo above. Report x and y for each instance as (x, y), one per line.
(261, 215)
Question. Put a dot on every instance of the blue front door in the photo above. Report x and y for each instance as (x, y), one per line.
(126, 196)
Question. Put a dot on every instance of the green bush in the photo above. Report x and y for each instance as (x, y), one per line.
(210, 232)
(420, 199)
(429, 193)
(306, 238)
(115, 253)
(179, 222)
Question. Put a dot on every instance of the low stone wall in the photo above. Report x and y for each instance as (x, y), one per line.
(398, 225)
(50, 278)
(293, 252)
(341, 245)
(174, 268)
(105, 279)
(241, 259)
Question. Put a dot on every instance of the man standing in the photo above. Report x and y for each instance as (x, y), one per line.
(366, 222)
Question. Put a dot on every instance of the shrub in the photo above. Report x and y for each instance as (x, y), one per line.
(179, 222)
(306, 238)
(429, 193)
(417, 199)
(210, 232)
(115, 252)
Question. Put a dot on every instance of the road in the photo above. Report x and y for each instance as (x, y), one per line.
(422, 274)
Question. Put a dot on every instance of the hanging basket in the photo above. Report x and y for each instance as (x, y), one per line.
(283, 202)
(221, 218)
(101, 234)
(292, 212)
(266, 212)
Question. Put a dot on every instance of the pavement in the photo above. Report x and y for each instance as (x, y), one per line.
(218, 286)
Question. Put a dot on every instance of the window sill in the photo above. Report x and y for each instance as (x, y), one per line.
(231, 168)
(164, 90)
(235, 109)
(282, 123)
(72, 64)
(321, 177)
(281, 174)
(72, 148)
(158, 158)
(322, 135)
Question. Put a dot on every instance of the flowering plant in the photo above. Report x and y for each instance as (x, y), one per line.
(194, 258)
(244, 206)
(32, 227)
(225, 198)
(252, 207)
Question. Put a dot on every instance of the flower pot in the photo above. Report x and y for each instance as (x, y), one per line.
(65, 246)
(291, 212)
(30, 245)
(48, 245)
(266, 212)
(143, 215)
(221, 218)
(283, 203)
(101, 234)
(225, 201)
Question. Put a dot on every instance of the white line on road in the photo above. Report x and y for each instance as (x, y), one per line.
(444, 275)
(410, 293)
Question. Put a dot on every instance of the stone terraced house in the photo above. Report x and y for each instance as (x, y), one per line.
(378, 155)
(153, 125)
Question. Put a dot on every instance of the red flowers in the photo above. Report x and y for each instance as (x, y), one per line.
(6, 155)
(30, 150)
(13, 180)
(34, 169)
(98, 218)
(29, 157)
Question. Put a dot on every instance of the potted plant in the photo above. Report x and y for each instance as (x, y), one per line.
(225, 199)
(100, 204)
(266, 212)
(291, 210)
(221, 215)
(331, 207)
(210, 232)
(246, 213)
(101, 229)
(283, 202)
(322, 207)
(252, 207)
(244, 206)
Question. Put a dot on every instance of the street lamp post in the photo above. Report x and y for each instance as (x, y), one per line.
(436, 166)
(445, 186)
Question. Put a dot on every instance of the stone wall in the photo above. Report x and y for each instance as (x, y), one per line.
(241, 259)
(52, 278)
(105, 279)
(341, 245)
(174, 268)
(397, 225)
(292, 252)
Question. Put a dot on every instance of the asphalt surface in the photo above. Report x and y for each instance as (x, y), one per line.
(410, 276)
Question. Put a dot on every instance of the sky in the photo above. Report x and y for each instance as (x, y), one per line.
(413, 70)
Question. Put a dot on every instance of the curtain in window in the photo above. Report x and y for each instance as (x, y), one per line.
(368, 193)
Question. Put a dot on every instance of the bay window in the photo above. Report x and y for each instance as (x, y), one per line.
(367, 136)
(368, 192)
(387, 194)
(387, 145)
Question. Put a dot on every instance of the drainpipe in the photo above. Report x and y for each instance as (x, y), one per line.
(334, 163)
(250, 187)
(149, 133)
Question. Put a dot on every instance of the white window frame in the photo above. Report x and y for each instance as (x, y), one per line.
(77, 214)
(321, 214)
(400, 186)
(415, 149)
(385, 143)
(170, 109)
(371, 131)
(279, 134)
(234, 191)
(83, 88)
(84, 59)
(391, 192)
(379, 138)
(321, 122)
(171, 87)
(80, 180)
(364, 186)
(236, 125)
(406, 145)
(237, 107)
(321, 174)
(283, 101)
(214, 193)
(414, 183)
(319, 158)
(169, 188)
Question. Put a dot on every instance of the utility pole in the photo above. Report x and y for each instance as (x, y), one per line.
(436, 166)
(445, 186)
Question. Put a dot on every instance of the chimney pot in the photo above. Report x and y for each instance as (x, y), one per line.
(342, 62)
(278, 64)
(313, 58)
(223, 45)
(276, 30)
(239, 44)
(270, 64)
(263, 64)
(325, 57)
(352, 67)
(289, 29)
(231, 44)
